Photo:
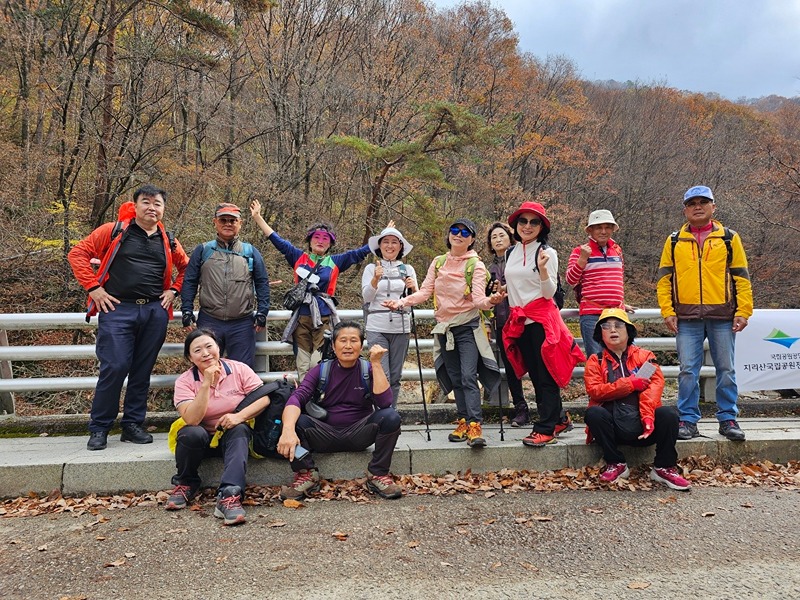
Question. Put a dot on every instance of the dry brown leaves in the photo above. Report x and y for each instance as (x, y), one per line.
(701, 471)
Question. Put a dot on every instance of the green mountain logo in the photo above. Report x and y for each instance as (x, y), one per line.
(777, 336)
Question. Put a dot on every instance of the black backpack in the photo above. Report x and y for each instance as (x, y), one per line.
(268, 425)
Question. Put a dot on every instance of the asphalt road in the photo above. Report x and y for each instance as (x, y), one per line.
(709, 543)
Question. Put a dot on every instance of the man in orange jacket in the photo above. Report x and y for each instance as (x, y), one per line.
(132, 293)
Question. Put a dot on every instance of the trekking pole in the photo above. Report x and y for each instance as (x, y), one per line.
(419, 366)
(499, 389)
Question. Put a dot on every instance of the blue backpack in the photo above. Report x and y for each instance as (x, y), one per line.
(247, 252)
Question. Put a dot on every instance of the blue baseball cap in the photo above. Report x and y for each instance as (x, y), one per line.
(698, 191)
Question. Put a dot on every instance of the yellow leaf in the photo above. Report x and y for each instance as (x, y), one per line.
(289, 503)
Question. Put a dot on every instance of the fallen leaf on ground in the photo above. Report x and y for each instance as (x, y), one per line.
(130, 554)
(639, 585)
(116, 563)
(340, 535)
(42, 548)
(276, 524)
(529, 566)
(412, 544)
(542, 518)
(445, 564)
(280, 567)
(178, 530)
(289, 503)
(708, 514)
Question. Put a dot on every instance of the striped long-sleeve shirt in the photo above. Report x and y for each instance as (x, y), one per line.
(601, 280)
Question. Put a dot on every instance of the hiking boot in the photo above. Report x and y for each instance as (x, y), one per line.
(537, 440)
(180, 497)
(669, 477)
(229, 505)
(730, 429)
(304, 484)
(564, 425)
(687, 431)
(614, 471)
(460, 432)
(384, 486)
(521, 415)
(475, 437)
(98, 440)
(133, 432)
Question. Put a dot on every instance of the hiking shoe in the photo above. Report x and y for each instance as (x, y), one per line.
(180, 497)
(304, 484)
(521, 415)
(98, 440)
(614, 471)
(687, 431)
(229, 505)
(670, 478)
(384, 486)
(133, 432)
(460, 433)
(564, 425)
(731, 430)
(475, 437)
(537, 440)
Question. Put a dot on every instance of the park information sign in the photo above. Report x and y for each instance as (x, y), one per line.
(768, 351)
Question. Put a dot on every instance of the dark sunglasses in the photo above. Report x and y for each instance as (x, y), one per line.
(532, 222)
(465, 233)
(698, 202)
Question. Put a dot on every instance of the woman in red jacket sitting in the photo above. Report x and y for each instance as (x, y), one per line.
(625, 384)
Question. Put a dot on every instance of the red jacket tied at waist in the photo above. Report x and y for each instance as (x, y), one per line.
(560, 353)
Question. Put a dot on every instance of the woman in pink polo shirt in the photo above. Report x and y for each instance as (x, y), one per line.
(206, 397)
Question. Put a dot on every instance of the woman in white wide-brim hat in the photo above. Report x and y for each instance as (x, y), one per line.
(388, 278)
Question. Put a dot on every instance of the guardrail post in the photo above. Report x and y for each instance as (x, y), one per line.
(6, 398)
(708, 385)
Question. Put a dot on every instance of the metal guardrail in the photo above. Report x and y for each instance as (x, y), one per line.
(42, 321)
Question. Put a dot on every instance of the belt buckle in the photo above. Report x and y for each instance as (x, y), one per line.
(142, 301)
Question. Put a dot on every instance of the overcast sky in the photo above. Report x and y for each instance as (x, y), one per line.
(736, 48)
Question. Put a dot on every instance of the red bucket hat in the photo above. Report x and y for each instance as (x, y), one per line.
(533, 207)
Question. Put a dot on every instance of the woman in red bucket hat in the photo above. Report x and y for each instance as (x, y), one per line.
(536, 339)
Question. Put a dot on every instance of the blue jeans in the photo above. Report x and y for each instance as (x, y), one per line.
(237, 337)
(128, 341)
(689, 341)
(588, 323)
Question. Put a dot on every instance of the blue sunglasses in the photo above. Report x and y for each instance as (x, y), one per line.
(465, 233)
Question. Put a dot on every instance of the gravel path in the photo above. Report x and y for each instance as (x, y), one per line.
(710, 543)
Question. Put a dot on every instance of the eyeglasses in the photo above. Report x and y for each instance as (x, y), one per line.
(698, 202)
(227, 220)
(532, 222)
(465, 233)
(609, 325)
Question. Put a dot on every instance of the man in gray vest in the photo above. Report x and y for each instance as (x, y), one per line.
(231, 280)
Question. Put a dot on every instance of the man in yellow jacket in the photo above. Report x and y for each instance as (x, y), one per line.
(704, 292)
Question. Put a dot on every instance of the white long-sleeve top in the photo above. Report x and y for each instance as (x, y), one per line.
(523, 283)
(390, 287)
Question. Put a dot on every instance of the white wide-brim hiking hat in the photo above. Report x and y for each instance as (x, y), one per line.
(375, 240)
(599, 217)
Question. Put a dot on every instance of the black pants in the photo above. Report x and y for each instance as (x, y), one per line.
(514, 384)
(548, 394)
(381, 428)
(192, 448)
(665, 434)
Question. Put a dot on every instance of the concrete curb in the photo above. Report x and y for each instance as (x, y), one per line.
(44, 464)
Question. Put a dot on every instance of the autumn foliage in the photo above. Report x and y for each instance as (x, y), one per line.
(359, 111)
